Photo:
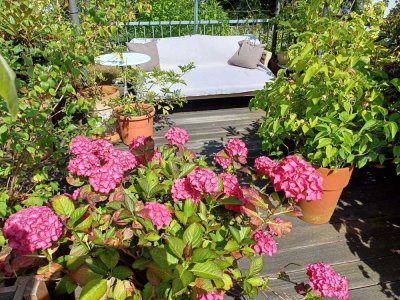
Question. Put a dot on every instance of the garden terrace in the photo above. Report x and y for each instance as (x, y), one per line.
(362, 240)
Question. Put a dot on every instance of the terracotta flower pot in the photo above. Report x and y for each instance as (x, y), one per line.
(321, 211)
(131, 127)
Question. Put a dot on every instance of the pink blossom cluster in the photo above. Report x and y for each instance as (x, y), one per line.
(177, 136)
(143, 149)
(33, 228)
(158, 214)
(326, 282)
(182, 190)
(232, 188)
(200, 180)
(210, 296)
(99, 161)
(293, 175)
(223, 160)
(235, 150)
(203, 180)
(265, 244)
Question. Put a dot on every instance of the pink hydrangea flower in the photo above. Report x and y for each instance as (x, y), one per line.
(265, 244)
(99, 161)
(76, 193)
(137, 142)
(264, 165)
(236, 148)
(203, 180)
(80, 145)
(157, 213)
(231, 184)
(326, 282)
(125, 159)
(33, 228)
(106, 178)
(177, 136)
(157, 157)
(182, 190)
(298, 179)
(84, 164)
(223, 161)
(210, 296)
(102, 149)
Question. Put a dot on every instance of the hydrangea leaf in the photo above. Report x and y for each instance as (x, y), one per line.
(256, 266)
(207, 270)
(122, 272)
(8, 90)
(119, 291)
(193, 234)
(200, 255)
(63, 206)
(94, 290)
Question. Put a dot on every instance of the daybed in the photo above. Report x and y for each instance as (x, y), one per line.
(212, 76)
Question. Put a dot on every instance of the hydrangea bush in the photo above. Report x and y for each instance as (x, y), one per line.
(161, 223)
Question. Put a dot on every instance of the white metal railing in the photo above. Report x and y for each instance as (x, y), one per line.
(262, 28)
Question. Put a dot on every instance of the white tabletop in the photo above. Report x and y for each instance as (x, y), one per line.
(122, 59)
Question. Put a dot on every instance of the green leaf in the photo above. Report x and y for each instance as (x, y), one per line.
(207, 270)
(78, 213)
(186, 169)
(311, 71)
(255, 281)
(324, 142)
(62, 205)
(189, 208)
(96, 266)
(256, 266)
(231, 246)
(193, 234)
(235, 233)
(163, 258)
(110, 257)
(202, 254)
(8, 90)
(94, 290)
(119, 292)
(122, 272)
(396, 83)
(176, 246)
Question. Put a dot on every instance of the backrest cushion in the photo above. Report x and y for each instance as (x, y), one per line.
(150, 49)
(248, 55)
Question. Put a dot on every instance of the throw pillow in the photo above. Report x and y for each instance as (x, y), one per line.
(147, 48)
(248, 55)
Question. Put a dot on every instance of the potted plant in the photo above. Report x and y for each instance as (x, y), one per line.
(152, 92)
(330, 110)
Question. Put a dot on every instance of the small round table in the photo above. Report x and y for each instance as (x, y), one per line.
(122, 60)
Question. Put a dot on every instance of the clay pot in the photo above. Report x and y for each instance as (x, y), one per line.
(321, 211)
(282, 58)
(131, 127)
(104, 94)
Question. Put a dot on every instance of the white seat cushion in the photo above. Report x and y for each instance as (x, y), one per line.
(221, 80)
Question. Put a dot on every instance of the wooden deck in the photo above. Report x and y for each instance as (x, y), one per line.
(362, 240)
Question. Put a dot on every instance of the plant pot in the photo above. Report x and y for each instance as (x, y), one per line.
(321, 211)
(282, 58)
(104, 94)
(131, 127)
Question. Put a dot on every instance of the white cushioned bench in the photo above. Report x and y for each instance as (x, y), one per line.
(212, 76)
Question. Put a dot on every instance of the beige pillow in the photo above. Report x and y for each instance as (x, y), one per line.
(248, 55)
(146, 48)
